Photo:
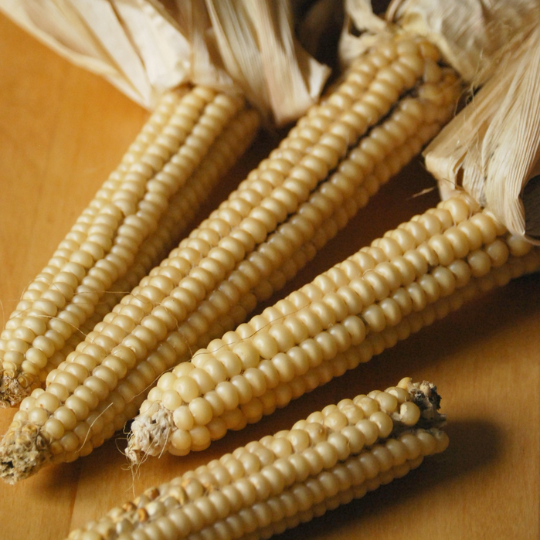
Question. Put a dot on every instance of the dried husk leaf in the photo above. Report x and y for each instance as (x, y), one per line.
(362, 30)
(492, 148)
(263, 57)
(106, 37)
(144, 49)
(471, 34)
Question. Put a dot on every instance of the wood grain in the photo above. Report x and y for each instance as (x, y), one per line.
(63, 130)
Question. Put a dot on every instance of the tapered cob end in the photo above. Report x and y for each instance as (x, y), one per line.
(23, 452)
(154, 432)
(425, 396)
(14, 389)
(333, 456)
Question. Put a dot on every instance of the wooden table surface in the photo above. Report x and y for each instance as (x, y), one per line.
(62, 130)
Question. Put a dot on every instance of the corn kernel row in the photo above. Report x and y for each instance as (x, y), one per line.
(289, 349)
(155, 326)
(327, 459)
(119, 230)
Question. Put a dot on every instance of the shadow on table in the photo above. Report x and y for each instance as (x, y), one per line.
(474, 445)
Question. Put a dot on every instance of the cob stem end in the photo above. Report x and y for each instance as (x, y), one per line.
(153, 431)
(14, 390)
(23, 452)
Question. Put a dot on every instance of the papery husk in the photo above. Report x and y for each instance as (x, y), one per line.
(144, 49)
(492, 147)
(263, 57)
(362, 30)
(472, 35)
(134, 44)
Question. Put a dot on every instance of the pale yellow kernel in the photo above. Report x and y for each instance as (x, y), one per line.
(473, 233)
(230, 362)
(201, 411)
(370, 464)
(384, 423)
(245, 392)
(369, 430)
(54, 428)
(479, 262)
(48, 401)
(247, 353)
(200, 437)
(427, 442)
(375, 318)
(181, 439)
(431, 287)
(166, 381)
(378, 283)
(187, 388)
(442, 441)
(183, 418)
(283, 337)
(257, 381)
(299, 439)
(366, 404)
(38, 416)
(229, 395)
(66, 416)
(383, 456)
(341, 444)
(518, 245)
(328, 454)
(171, 399)
(443, 248)
(486, 226)
(281, 447)
(78, 406)
(183, 368)
(336, 420)
(284, 367)
(387, 402)
(498, 252)
(458, 240)
(70, 442)
(265, 344)
(409, 413)
(399, 393)
(253, 410)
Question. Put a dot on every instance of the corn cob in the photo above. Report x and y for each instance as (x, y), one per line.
(160, 322)
(234, 140)
(124, 231)
(291, 347)
(331, 457)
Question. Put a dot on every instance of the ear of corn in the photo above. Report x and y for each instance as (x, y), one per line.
(377, 296)
(326, 460)
(212, 273)
(192, 138)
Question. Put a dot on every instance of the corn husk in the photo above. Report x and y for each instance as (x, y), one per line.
(362, 29)
(471, 34)
(492, 148)
(144, 49)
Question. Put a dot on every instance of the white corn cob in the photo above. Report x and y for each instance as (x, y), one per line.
(105, 379)
(291, 348)
(326, 460)
(125, 231)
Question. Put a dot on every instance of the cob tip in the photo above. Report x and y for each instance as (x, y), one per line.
(23, 452)
(425, 396)
(14, 390)
(152, 430)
